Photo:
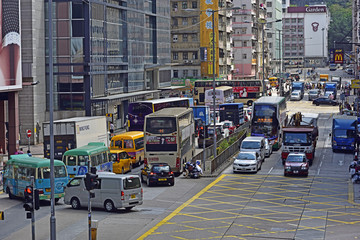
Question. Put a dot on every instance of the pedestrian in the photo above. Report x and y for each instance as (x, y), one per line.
(29, 153)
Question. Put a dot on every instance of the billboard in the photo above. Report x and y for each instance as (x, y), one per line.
(206, 37)
(10, 51)
(338, 56)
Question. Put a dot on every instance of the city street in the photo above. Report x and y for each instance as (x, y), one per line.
(232, 206)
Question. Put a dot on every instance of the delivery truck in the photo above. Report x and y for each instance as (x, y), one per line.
(73, 133)
(344, 133)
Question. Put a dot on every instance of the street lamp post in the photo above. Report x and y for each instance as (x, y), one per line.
(212, 11)
(323, 46)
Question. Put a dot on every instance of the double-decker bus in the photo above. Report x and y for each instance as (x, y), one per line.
(19, 170)
(223, 94)
(95, 154)
(138, 110)
(245, 91)
(268, 117)
(170, 137)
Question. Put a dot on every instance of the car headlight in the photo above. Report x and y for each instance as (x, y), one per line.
(288, 167)
(303, 167)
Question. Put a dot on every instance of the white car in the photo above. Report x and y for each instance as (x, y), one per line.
(247, 162)
(268, 148)
(295, 96)
(224, 130)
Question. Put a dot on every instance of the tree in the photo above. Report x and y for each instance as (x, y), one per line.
(341, 24)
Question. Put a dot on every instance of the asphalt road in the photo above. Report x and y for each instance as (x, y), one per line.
(265, 205)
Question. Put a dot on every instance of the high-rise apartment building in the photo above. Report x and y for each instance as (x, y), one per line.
(105, 54)
(248, 29)
(191, 39)
(274, 35)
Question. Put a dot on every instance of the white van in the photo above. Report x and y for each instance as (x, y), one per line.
(254, 144)
(114, 191)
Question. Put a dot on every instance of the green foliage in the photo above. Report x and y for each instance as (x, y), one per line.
(223, 145)
(341, 23)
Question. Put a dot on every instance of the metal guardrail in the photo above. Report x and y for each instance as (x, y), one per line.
(225, 155)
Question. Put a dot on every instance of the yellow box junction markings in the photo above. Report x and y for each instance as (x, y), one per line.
(171, 215)
(254, 184)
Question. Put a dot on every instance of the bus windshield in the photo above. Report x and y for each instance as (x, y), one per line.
(161, 125)
(59, 172)
(264, 121)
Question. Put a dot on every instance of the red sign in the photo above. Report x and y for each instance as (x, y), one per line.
(28, 133)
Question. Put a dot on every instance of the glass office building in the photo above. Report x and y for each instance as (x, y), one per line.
(101, 49)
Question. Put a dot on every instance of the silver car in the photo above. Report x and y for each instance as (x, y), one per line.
(247, 162)
(295, 96)
(313, 94)
(268, 148)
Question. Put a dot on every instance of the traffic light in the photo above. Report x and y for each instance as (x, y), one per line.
(91, 181)
(29, 201)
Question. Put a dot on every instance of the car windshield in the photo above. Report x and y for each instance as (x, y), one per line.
(294, 158)
(344, 133)
(295, 94)
(245, 156)
(313, 92)
(161, 168)
(250, 145)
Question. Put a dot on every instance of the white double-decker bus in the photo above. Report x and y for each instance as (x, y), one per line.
(170, 137)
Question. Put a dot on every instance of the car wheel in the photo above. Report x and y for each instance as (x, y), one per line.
(75, 203)
(317, 104)
(57, 200)
(285, 174)
(172, 183)
(11, 196)
(128, 208)
(334, 104)
(109, 206)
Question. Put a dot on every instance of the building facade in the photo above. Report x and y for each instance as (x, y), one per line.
(248, 29)
(274, 35)
(105, 55)
(305, 34)
(191, 39)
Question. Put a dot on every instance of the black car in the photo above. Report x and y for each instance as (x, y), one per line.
(157, 173)
(324, 101)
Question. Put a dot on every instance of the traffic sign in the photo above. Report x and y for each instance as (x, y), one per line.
(28, 133)
(339, 56)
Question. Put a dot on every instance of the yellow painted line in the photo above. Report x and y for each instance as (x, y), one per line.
(176, 211)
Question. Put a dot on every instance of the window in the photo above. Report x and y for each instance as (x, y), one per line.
(243, 30)
(194, 37)
(175, 56)
(175, 6)
(184, 22)
(176, 73)
(75, 182)
(194, 55)
(301, 20)
(293, 20)
(185, 56)
(269, 25)
(244, 43)
(132, 183)
(83, 160)
(185, 73)
(194, 21)
(269, 35)
(185, 37)
(71, 161)
(269, 14)
(128, 144)
(175, 22)
(175, 38)
(139, 143)
(195, 73)
(270, 45)
(194, 4)
(287, 20)
(269, 4)
(244, 56)
(184, 5)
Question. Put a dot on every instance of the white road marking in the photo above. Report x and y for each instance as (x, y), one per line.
(270, 170)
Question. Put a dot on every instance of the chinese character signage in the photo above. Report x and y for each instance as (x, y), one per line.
(206, 37)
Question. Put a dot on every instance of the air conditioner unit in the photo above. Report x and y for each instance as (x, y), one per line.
(190, 61)
(186, 61)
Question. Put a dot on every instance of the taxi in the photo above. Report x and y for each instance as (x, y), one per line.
(122, 161)
(296, 164)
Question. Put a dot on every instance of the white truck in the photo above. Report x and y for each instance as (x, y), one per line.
(73, 133)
